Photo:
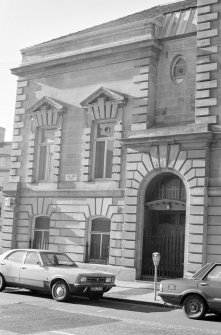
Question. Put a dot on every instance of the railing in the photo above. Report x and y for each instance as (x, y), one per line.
(171, 248)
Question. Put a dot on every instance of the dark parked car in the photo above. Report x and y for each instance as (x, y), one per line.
(197, 295)
(54, 272)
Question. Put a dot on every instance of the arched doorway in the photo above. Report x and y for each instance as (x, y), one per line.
(164, 226)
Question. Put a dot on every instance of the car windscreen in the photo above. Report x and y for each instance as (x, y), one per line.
(56, 259)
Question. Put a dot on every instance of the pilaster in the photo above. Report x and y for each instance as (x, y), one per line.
(207, 62)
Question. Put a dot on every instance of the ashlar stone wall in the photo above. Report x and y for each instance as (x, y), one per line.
(191, 166)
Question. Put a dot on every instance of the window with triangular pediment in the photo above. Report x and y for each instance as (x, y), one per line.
(104, 119)
(44, 141)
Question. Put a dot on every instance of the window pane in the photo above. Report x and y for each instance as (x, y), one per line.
(99, 160)
(215, 274)
(45, 241)
(109, 159)
(45, 156)
(101, 225)
(105, 247)
(41, 239)
(32, 258)
(53, 258)
(95, 246)
(49, 136)
(42, 162)
(50, 153)
(3, 161)
(16, 256)
(42, 222)
(37, 243)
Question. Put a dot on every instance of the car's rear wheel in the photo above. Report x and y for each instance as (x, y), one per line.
(194, 307)
(2, 282)
(60, 291)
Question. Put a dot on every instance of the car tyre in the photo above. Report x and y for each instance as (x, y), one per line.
(194, 307)
(60, 291)
(2, 283)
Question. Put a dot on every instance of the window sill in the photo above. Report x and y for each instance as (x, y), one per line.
(45, 186)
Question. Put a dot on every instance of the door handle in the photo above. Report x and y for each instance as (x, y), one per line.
(203, 284)
(2, 263)
(24, 267)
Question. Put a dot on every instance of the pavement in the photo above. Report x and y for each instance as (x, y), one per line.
(135, 292)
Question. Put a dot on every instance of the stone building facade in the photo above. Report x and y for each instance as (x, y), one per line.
(116, 145)
(5, 152)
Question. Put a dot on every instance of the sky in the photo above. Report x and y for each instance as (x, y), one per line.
(24, 23)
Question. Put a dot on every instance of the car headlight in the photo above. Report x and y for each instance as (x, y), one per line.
(109, 279)
(83, 280)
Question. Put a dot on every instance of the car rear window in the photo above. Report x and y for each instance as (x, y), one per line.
(16, 256)
(201, 273)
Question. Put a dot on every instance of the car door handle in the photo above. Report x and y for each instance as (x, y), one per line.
(203, 284)
(24, 267)
(2, 263)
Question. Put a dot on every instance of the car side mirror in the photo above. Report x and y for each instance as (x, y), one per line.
(39, 263)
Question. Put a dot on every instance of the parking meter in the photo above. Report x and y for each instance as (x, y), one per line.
(156, 258)
(156, 261)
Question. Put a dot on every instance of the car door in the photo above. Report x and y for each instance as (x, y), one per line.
(211, 287)
(11, 266)
(32, 271)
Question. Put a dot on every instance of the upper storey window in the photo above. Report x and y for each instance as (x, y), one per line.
(44, 141)
(178, 69)
(103, 150)
(45, 154)
(103, 121)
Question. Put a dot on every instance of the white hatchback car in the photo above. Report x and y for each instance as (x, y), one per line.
(49, 271)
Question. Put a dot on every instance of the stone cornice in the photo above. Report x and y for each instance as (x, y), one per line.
(179, 134)
(72, 193)
(90, 35)
(83, 55)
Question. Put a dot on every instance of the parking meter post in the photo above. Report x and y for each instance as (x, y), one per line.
(156, 261)
(155, 282)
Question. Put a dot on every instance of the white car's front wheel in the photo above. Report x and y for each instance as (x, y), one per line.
(2, 282)
(60, 291)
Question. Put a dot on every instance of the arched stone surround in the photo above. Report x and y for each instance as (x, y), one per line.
(190, 165)
(140, 214)
(69, 222)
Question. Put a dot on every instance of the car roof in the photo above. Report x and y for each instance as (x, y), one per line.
(37, 250)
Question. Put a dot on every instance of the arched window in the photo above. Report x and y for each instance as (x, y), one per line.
(41, 232)
(100, 240)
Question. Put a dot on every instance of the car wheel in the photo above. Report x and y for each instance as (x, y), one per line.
(60, 291)
(2, 282)
(194, 307)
